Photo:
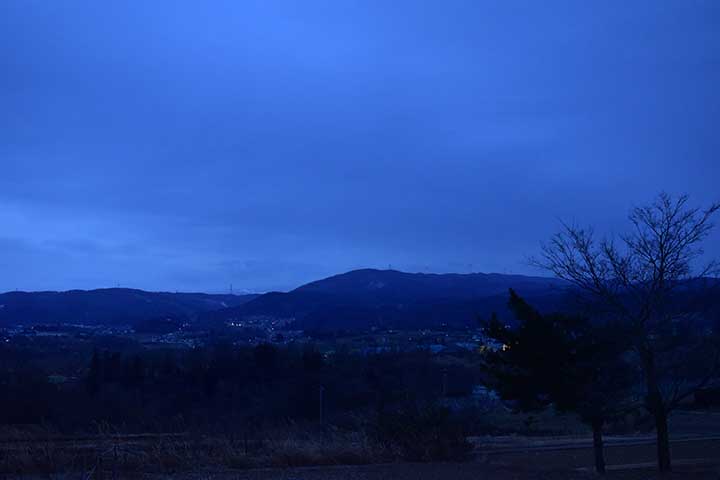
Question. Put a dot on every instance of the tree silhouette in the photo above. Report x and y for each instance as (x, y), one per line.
(651, 280)
(563, 361)
(94, 375)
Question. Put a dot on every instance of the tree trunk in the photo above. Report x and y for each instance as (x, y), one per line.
(663, 440)
(655, 406)
(598, 447)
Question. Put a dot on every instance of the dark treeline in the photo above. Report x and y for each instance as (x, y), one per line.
(222, 386)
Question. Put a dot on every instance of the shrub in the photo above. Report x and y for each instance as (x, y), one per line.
(422, 434)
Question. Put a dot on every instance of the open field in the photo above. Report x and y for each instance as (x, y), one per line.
(694, 459)
(474, 471)
(698, 459)
(695, 447)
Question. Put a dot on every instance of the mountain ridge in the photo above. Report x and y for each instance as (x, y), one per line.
(107, 306)
(367, 297)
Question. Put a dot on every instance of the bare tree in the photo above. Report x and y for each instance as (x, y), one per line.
(652, 279)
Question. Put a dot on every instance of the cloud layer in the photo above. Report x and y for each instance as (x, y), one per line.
(191, 145)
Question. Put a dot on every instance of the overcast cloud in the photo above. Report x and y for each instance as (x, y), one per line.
(190, 145)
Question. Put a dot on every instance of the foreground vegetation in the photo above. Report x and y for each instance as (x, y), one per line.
(641, 341)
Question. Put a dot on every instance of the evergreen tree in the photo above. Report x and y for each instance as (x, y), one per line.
(563, 361)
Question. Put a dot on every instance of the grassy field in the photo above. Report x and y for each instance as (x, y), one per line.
(303, 453)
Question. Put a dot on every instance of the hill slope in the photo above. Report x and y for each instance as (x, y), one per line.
(111, 306)
(365, 298)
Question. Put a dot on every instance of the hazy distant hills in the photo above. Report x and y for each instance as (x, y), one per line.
(111, 306)
(355, 300)
(389, 298)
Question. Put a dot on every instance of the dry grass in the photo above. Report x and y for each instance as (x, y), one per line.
(108, 455)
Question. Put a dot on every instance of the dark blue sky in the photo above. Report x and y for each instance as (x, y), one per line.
(190, 145)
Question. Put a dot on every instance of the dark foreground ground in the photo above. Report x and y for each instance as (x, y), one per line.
(465, 472)
(695, 449)
(556, 459)
(699, 459)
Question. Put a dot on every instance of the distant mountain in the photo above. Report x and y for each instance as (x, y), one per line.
(389, 298)
(355, 300)
(111, 306)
